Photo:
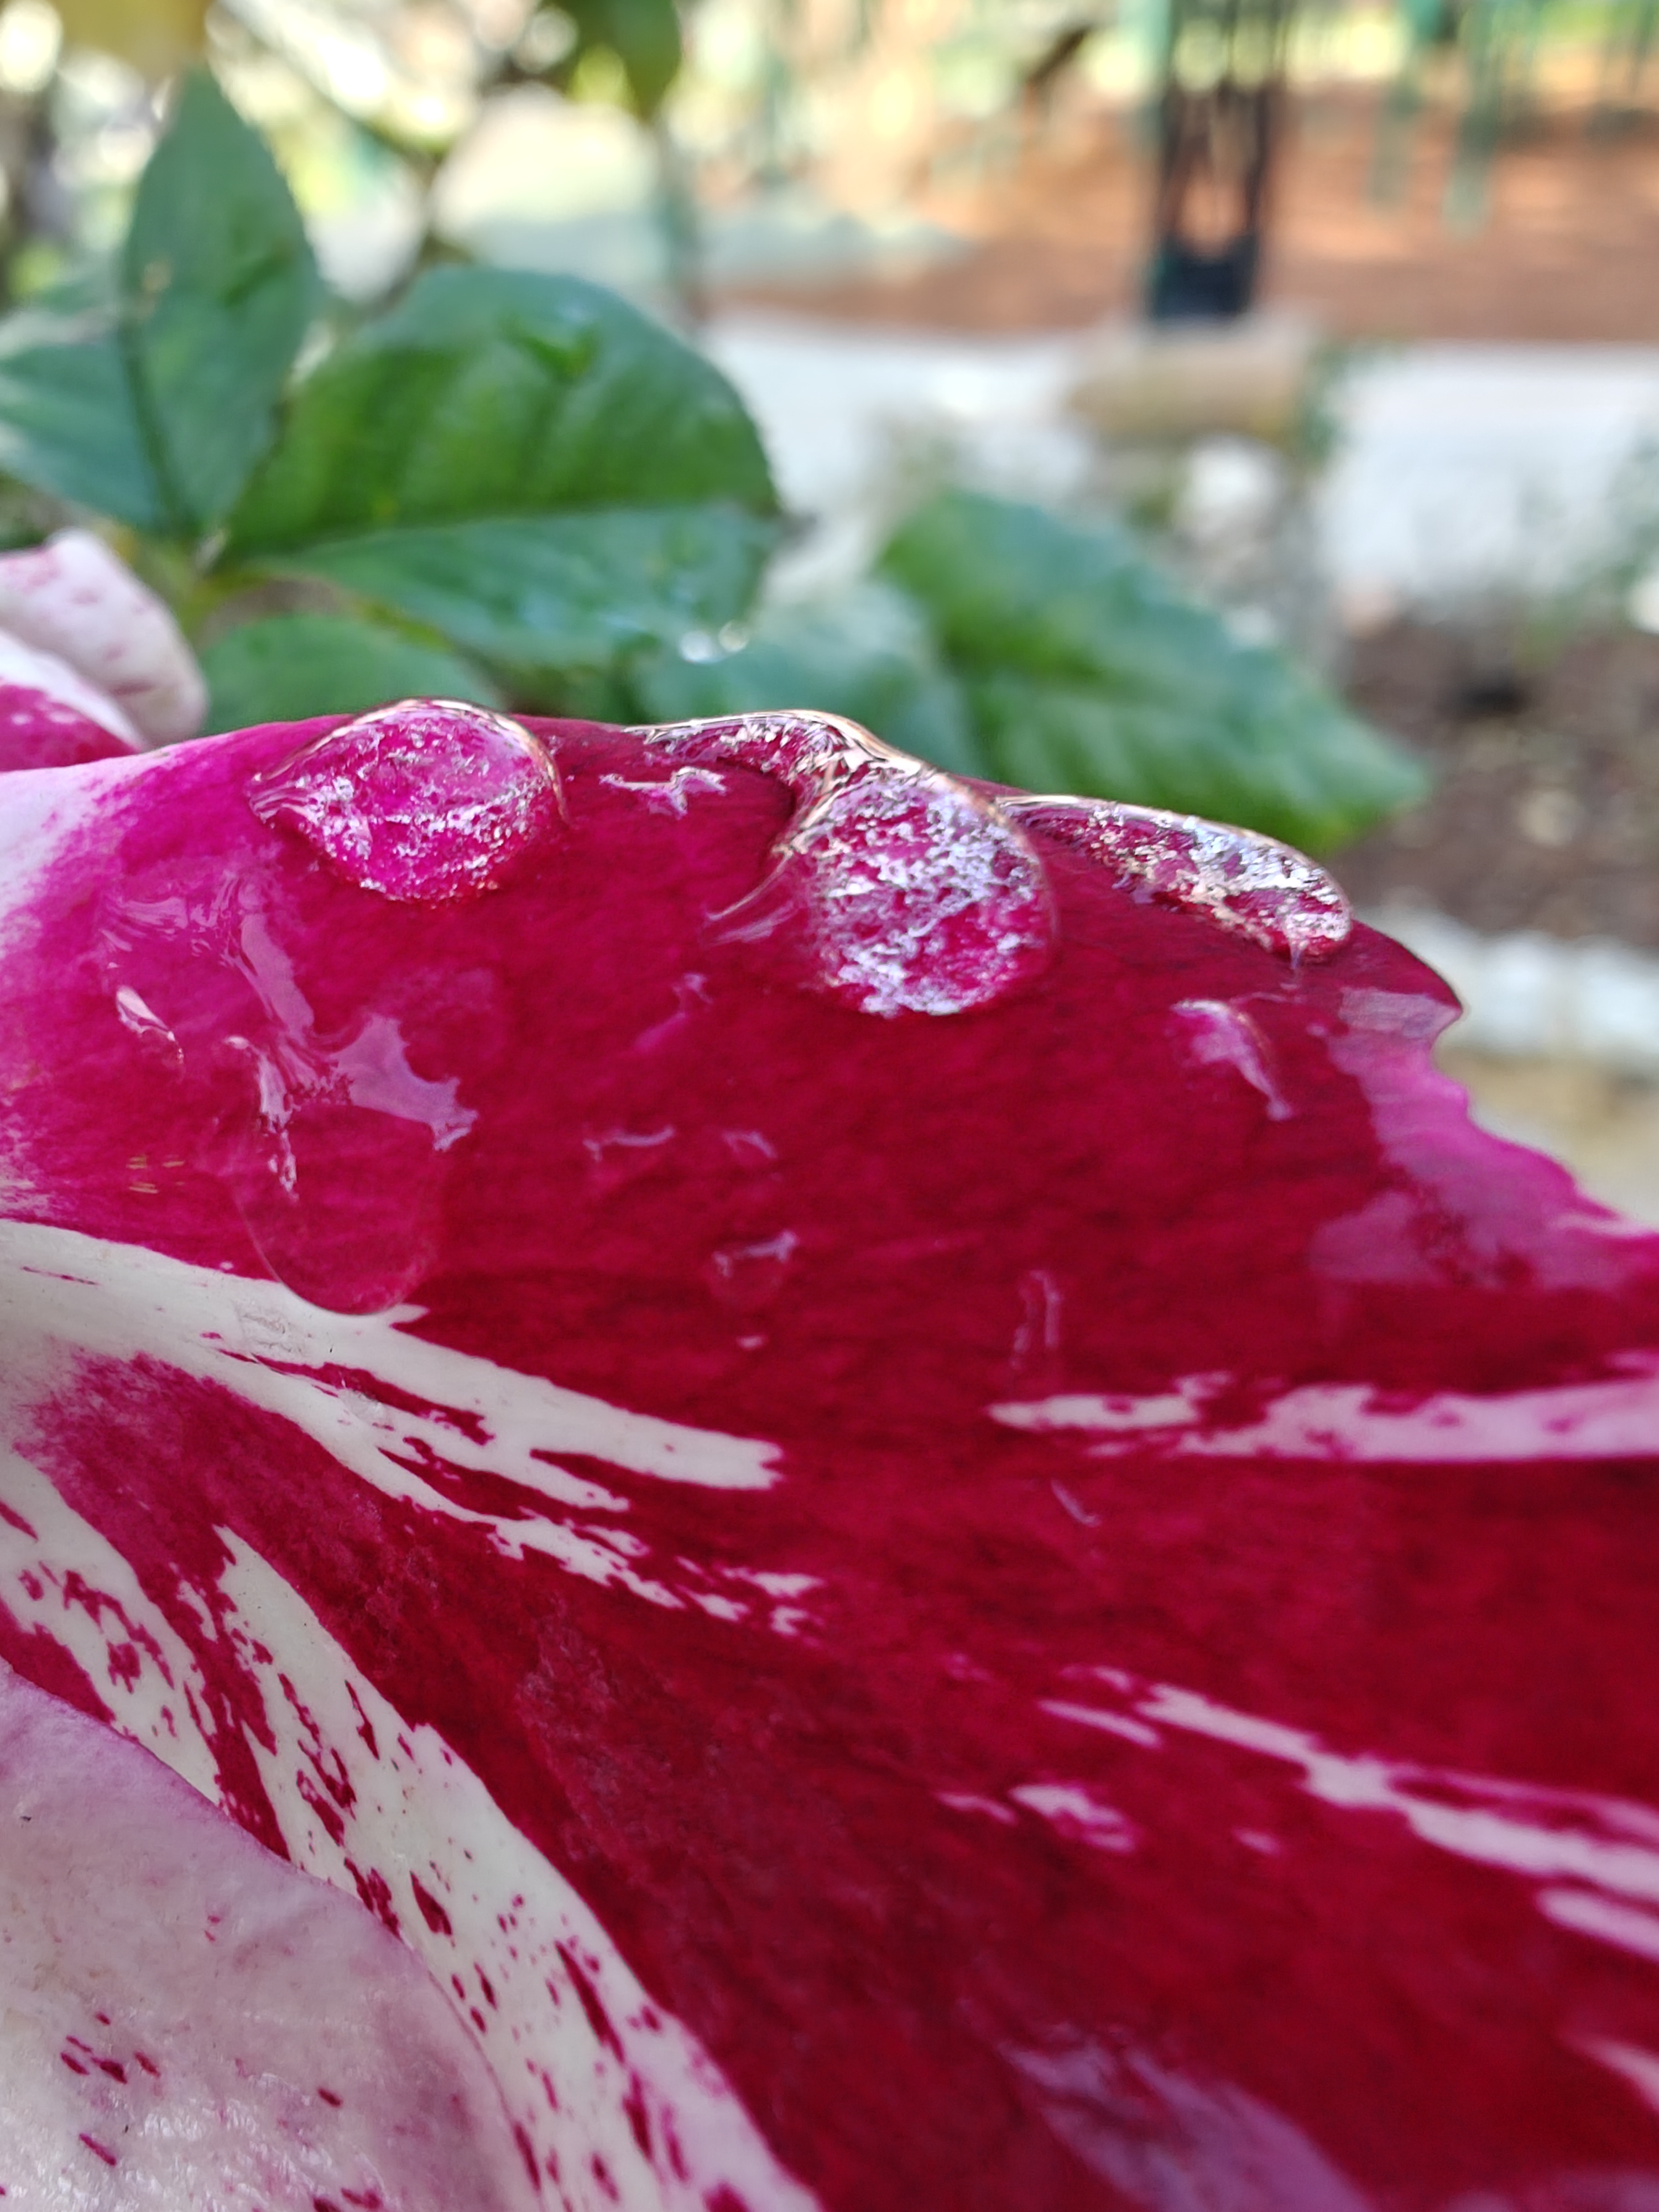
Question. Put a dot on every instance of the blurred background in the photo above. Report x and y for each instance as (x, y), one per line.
(1349, 313)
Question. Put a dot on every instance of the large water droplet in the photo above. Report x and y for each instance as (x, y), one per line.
(429, 800)
(914, 893)
(1250, 884)
(920, 902)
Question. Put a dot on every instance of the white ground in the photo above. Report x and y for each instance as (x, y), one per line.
(1459, 469)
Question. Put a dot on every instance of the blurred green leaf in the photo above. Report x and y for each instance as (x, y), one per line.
(219, 287)
(150, 396)
(536, 596)
(284, 668)
(527, 464)
(67, 425)
(866, 653)
(643, 34)
(1086, 670)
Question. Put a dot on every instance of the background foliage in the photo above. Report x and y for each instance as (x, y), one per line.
(517, 487)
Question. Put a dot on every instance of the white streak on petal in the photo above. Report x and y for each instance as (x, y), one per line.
(413, 1809)
(1073, 1812)
(420, 1809)
(269, 1346)
(1131, 1731)
(1625, 1926)
(1636, 2067)
(1616, 1418)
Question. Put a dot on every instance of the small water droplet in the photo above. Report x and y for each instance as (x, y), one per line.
(912, 892)
(429, 800)
(1247, 883)
(146, 1025)
(672, 794)
(746, 1277)
(1223, 1035)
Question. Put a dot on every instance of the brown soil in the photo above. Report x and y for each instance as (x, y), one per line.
(1546, 814)
(1567, 251)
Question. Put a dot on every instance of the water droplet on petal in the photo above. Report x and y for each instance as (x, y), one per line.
(746, 1277)
(921, 902)
(146, 1025)
(1250, 884)
(429, 800)
(914, 894)
(1224, 1035)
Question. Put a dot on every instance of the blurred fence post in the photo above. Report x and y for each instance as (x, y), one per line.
(1219, 115)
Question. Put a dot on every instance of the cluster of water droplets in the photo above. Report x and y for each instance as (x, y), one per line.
(916, 893)
(1247, 883)
(429, 800)
(911, 891)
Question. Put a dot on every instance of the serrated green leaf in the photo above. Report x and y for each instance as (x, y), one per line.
(284, 668)
(528, 465)
(219, 287)
(1086, 670)
(148, 393)
(67, 422)
(1055, 737)
(537, 597)
(496, 393)
(865, 653)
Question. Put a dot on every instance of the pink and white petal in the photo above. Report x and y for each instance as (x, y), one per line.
(35, 668)
(185, 2019)
(73, 597)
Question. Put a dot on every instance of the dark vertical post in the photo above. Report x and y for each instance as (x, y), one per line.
(1219, 118)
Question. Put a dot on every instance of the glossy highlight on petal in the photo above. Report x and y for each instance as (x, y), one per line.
(1252, 884)
(429, 800)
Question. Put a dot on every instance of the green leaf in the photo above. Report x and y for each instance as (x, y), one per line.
(865, 653)
(149, 394)
(537, 596)
(1086, 670)
(286, 667)
(528, 465)
(67, 425)
(643, 34)
(218, 287)
(492, 392)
